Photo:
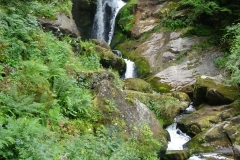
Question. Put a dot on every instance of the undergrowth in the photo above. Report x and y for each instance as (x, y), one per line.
(44, 114)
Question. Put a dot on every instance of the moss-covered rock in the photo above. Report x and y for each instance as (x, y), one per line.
(143, 67)
(116, 109)
(205, 117)
(212, 140)
(126, 16)
(107, 58)
(92, 78)
(166, 107)
(177, 155)
(158, 86)
(180, 96)
(213, 91)
(101, 43)
(137, 84)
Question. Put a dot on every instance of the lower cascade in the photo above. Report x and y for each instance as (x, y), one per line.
(130, 69)
(178, 138)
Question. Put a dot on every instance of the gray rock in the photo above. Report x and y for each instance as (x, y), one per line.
(116, 108)
(62, 26)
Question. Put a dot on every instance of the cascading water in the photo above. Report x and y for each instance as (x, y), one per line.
(178, 139)
(104, 20)
(130, 70)
(103, 28)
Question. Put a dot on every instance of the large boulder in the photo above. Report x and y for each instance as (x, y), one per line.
(213, 91)
(182, 75)
(213, 140)
(214, 130)
(92, 79)
(118, 110)
(165, 106)
(62, 26)
(204, 118)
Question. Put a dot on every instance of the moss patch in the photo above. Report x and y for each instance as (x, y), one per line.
(165, 107)
(158, 86)
(137, 84)
(126, 16)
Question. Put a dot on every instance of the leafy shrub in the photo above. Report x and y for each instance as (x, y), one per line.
(126, 17)
(233, 62)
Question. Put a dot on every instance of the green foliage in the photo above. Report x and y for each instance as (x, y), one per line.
(233, 62)
(126, 17)
(75, 102)
(164, 110)
(212, 11)
(14, 104)
(88, 56)
(174, 24)
(42, 8)
(25, 138)
(43, 113)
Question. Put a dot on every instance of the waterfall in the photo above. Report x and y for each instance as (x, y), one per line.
(130, 70)
(104, 20)
(178, 139)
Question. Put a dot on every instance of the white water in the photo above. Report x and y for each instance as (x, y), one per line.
(116, 6)
(206, 156)
(178, 139)
(130, 70)
(101, 19)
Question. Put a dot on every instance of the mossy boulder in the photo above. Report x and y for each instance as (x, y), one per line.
(205, 117)
(166, 107)
(137, 84)
(107, 58)
(159, 86)
(177, 155)
(213, 91)
(213, 140)
(181, 96)
(116, 109)
(92, 78)
(126, 18)
(62, 26)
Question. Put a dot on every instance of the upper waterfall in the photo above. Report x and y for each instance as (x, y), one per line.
(104, 20)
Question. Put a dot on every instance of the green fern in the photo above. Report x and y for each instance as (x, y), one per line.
(14, 104)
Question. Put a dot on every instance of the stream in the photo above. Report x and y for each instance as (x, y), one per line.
(103, 28)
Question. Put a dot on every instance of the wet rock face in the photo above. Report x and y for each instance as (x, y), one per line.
(60, 27)
(117, 109)
(182, 76)
(83, 14)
